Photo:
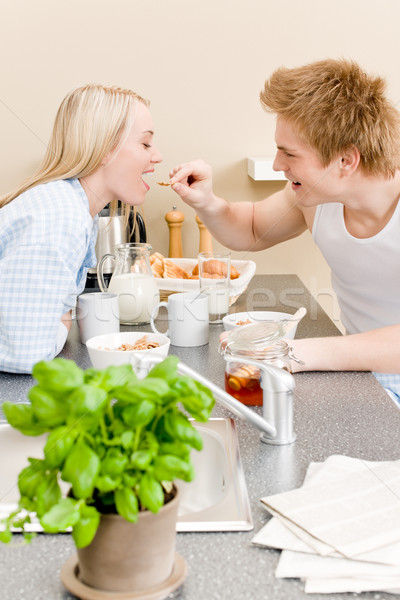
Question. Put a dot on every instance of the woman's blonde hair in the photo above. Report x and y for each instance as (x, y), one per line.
(334, 105)
(92, 121)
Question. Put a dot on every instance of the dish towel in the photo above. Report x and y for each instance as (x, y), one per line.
(340, 531)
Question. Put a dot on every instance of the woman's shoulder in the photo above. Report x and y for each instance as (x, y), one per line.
(62, 193)
(56, 201)
(55, 210)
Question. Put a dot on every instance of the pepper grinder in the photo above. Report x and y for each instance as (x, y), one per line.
(205, 242)
(175, 220)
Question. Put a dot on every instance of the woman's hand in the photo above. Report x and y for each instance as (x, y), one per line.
(66, 319)
(192, 181)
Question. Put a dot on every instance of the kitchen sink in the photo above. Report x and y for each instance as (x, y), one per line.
(216, 500)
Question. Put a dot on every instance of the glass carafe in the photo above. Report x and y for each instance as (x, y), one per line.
(133, 281)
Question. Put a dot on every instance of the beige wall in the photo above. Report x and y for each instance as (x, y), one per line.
(202, 64)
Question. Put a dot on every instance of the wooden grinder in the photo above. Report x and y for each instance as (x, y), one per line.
(205, 242)
(175, 220)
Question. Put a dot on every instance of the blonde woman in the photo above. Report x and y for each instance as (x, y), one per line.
(338, 143)
(100, 147)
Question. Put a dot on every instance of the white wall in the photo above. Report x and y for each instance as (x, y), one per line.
(202, 65)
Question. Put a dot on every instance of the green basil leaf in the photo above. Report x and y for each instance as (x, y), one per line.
(178, 426)
(127, 439)
(196, 398)
(59, 375)
(185, 385)
(48, 493)
(27, 504)
(111, 377)
(30, 478)
(21, 417)
(81, 468)
(87, 400)
(47, 409)
(130, 480)
(114, 462)
(5, 536)
(195, 407)
(148, 388)
(85, 529)
(139, 414)
(127, 504)
(61, 516)
(166, 370)
(105, 483)
(58, 445)
(169, 467)
(176, 448)
(141, 459)
(151, 494)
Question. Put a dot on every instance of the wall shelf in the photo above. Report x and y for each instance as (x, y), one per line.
(260, 169)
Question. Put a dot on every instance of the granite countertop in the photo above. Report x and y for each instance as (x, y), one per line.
(334, 413)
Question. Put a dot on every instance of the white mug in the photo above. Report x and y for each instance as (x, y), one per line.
(97, 313)
(187, 319)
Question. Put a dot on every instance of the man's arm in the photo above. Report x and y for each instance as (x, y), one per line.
(238, 225)
(375, 350)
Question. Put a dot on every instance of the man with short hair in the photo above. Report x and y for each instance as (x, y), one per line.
(338, 143)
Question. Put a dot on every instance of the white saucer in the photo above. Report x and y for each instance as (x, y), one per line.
(70, 578)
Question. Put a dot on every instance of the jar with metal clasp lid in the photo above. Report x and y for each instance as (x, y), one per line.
(258, 341)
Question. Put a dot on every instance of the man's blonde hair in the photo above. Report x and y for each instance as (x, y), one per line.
(334, 105)
(92, 121)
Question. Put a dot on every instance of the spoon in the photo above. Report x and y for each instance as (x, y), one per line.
(296, 318)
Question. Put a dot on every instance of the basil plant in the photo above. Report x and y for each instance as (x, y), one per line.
(117, 440)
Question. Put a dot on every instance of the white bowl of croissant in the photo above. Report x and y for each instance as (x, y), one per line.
(182, 274)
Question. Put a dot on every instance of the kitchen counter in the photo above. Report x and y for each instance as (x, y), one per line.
(334, 413)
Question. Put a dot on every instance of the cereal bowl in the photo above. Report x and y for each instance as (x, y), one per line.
(115, 349)
(244, 318)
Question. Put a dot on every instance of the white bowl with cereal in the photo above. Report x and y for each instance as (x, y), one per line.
(128, 347)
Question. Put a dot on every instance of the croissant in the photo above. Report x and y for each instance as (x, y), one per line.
(163, 267)
(172, 271)
(157, 264)
(216, 267)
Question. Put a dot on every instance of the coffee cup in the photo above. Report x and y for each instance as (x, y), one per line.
(188, 322)
(97, 313)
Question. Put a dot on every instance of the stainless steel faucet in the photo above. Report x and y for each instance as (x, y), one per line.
(276, 424)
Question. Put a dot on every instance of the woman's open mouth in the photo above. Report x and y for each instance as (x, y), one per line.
(146, 185)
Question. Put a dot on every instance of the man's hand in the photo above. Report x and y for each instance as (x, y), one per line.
(192, 181)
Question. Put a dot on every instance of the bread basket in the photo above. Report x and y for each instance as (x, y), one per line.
(167, 286)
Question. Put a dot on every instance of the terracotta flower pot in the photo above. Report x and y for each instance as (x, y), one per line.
(131, 557)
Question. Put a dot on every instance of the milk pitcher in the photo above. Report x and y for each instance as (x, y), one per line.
(133, 281)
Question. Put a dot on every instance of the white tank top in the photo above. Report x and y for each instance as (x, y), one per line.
(365, 272)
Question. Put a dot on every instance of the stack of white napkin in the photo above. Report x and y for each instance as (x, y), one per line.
(340, 531)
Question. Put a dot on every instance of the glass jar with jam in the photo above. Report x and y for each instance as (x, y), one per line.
(258, 341)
